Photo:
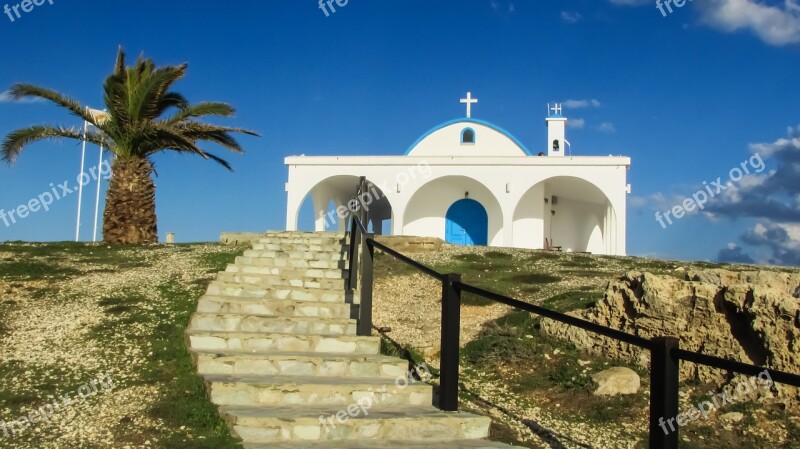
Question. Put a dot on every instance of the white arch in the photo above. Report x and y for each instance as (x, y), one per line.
(584, 217)
(340, 189)
(424, 214)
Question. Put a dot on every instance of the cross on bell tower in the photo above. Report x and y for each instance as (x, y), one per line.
(556, 130)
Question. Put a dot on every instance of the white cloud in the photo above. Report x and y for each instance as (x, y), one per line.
(577, 123)
(775, 25)
(607, 127)
(581, 104)
(571, 17)
(5, 97)
(496, 6)
(780, 242)
(792, 143)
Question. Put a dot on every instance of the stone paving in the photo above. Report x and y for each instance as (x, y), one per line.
(275, 339)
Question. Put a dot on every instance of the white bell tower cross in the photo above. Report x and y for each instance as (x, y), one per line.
(556, 130)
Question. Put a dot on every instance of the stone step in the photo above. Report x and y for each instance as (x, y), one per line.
(293, 246)
(275, 307)
(268, 280)
(285, 262)
(340, 344)
(274, 391)
(281, 325)
(253, 291)
(245, 363)
(307, 234)
(302, 240)
(339, 235)
(362, 422)
(289, 272)
(303, 255)
(385, 444)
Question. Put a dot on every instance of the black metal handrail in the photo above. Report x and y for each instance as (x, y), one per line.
(560, 317)
(408, 261)
(780, 377)
(665, 352)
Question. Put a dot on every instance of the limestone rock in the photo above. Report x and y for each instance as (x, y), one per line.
(617, 380)
(732, 417)
(752, 317)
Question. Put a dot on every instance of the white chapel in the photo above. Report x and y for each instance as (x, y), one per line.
(470, 182)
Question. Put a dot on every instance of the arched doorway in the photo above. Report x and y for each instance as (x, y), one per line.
(324, 208)
(567, 211)
(467, 223)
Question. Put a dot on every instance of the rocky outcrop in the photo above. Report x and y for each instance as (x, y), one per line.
(752, 317)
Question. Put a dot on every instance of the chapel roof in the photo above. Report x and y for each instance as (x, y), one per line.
(448, 139)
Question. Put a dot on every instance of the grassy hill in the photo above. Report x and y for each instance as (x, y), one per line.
(72, 313)
(540, 389)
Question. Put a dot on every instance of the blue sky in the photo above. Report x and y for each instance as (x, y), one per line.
(688, 96)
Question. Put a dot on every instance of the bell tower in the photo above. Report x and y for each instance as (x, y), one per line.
(556, 130)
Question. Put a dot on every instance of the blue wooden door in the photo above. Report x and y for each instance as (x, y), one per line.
(467, 223)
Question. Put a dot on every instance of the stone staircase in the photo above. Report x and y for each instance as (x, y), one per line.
(275, 339)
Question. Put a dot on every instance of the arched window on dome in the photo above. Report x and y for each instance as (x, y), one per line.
(467, 136)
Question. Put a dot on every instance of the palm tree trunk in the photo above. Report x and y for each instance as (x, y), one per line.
(130, 212)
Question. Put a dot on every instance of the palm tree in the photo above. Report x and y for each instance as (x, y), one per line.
(144, 118)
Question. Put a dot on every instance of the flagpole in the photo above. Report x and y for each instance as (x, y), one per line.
(80, 184)
(97, 200)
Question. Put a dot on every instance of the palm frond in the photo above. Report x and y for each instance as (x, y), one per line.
(136, 98)
(150, 86)
(172, 100)
(19, 139)
(212, 133)
(202, 110)
(208, 156)
(20, 91)
(119, 65)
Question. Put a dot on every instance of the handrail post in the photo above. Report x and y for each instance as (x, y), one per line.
(664, 377)
(355, 238)
(365, 307)
(451, 330)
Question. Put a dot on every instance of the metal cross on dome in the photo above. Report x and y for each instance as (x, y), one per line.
(469, 101)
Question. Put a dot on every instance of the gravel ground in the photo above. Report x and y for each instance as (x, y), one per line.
(47, 350)
(410, 305)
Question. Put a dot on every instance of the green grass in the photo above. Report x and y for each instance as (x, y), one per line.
(513, 351)
(572, 300)
(580, 261)
(61, 261)
(185, 402)
(218, 261)
(34, 383)
(391, 348)
(497, 272)
(534, 278)
(793, 431)
(30, 270)
(497, 255)
(5, 307)
(152, 317)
